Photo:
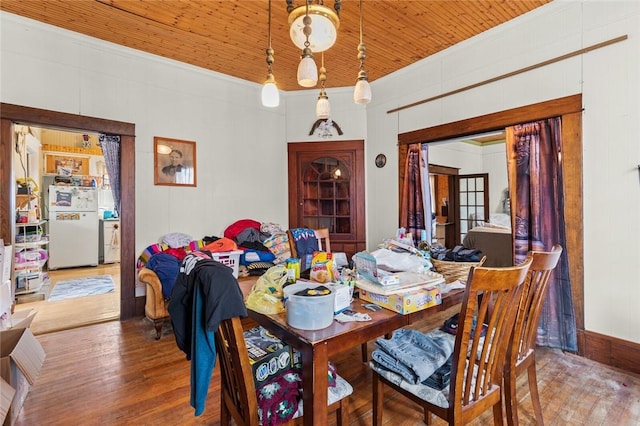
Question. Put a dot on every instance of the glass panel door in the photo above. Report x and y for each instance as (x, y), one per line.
(473, 201)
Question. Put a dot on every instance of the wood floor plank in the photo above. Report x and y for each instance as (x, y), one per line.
(115, 373)
(64, 314)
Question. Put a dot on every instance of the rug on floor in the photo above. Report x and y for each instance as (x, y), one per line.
(70, 289)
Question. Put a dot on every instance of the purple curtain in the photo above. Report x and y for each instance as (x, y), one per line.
(534, 162)
(426, 187)
(110, 145)
(411, 204)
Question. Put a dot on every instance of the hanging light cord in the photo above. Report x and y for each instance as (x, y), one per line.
(307, 26)
(361, 48)
(360, 21)
(323, 75)
(270, 52)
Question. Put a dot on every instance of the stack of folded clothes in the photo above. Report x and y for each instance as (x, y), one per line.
(419, 358)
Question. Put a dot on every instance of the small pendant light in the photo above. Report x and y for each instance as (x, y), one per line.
(270, 93)
(307, 70)
(362, 91)
(323, 108)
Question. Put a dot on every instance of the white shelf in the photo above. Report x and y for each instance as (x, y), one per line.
(38, 223)
(32, 244)
(29, 277)
(32, 285)
(32, 264)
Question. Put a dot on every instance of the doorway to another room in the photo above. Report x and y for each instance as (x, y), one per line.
(76, 279)
(124, 133)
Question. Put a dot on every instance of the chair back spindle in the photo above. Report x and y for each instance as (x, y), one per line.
(521, 356)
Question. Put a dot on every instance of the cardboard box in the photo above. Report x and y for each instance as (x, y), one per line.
(268, 355)
(405, 302)
(6, 398)
(21, 358)
(19, 319)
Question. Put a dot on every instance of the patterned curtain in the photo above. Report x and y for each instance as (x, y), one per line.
(411, 202)
(110, 145)
(534, 163)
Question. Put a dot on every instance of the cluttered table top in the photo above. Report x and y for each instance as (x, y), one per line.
(317, 346)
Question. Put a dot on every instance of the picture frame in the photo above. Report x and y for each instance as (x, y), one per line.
(66, 164)
(174, 162)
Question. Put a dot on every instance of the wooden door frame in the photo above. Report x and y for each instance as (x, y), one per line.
(570, 109)
(326, 149)
(15, 114)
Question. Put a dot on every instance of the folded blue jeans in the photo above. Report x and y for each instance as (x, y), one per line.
(413, 354)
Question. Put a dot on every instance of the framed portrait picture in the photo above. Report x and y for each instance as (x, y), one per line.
(174, 162)
(64, 164)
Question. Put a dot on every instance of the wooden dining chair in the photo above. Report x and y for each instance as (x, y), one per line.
(522, 351)
(478, 356)
(239, 400)
(322, 235)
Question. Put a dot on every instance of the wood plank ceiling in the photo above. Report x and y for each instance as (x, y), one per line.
(230, 36)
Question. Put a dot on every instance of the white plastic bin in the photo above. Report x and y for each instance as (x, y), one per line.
(229, 258)
(308, 312)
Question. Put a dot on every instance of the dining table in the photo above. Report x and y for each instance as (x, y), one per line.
(317, 346)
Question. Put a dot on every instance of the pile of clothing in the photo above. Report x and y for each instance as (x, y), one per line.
(250, 235)
(419, 358)
(164, 258)
(457, 254)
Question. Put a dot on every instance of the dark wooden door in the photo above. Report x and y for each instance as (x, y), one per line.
(326, 190)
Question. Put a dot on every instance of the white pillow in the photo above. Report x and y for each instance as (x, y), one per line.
(176, 239)
(500, 219)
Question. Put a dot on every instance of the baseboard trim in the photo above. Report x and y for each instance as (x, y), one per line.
(609, 350)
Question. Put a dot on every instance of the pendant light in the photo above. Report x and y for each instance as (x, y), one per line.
(325, 25)
(270, 93)
(307, 69)
(362, 91)
(323, 108)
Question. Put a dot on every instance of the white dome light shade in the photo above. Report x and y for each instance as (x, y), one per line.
(324, 27)
(323, 108)
(270, 95)
(362, 92)
(307, 72)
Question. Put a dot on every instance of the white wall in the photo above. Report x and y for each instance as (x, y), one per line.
(242, 147)
(494, 162)
(472, 159)
(609, 80)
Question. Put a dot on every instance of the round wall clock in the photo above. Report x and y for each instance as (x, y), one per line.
(381, 160)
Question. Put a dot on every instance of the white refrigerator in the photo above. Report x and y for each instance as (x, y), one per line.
(73, 226)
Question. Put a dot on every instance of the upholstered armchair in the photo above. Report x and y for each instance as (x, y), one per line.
(155, 307)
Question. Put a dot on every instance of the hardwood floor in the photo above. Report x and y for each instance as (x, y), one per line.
(115, 373)
(65, 314)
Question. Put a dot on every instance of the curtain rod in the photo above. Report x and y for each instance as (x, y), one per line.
(512, 73)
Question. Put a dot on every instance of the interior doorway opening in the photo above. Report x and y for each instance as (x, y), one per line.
(79, 249)
(14, 114)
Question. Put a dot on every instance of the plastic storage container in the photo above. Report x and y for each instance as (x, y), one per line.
(308, 312)
(230, 259)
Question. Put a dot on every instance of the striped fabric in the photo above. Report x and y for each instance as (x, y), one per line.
(159, 248)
